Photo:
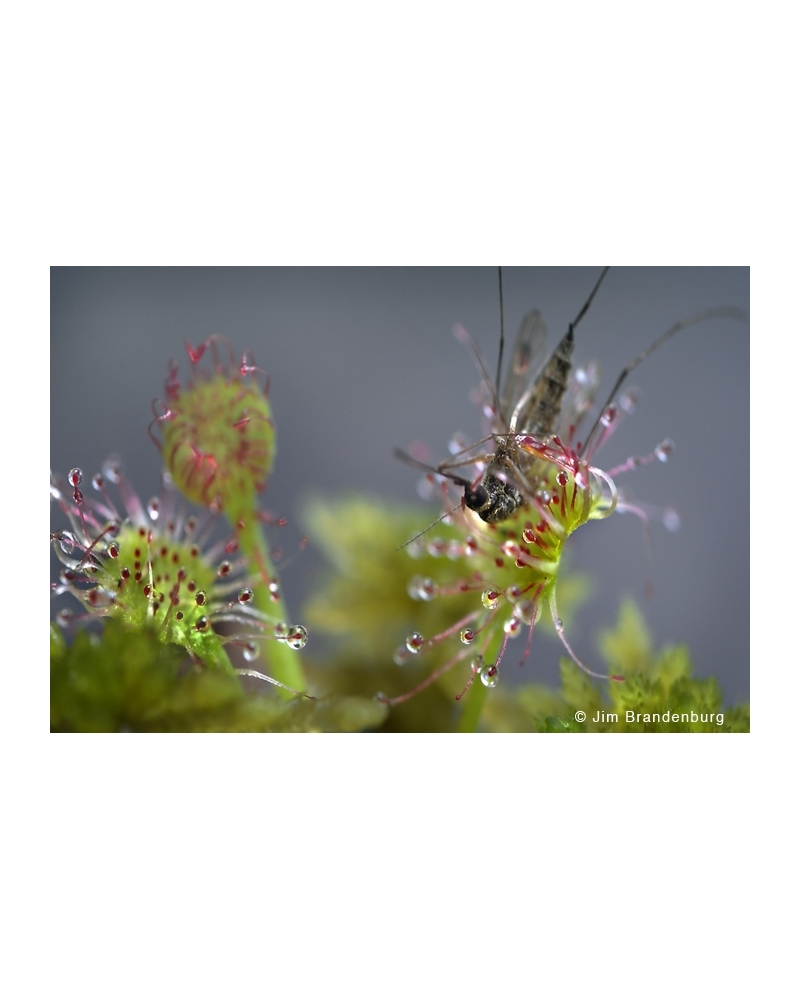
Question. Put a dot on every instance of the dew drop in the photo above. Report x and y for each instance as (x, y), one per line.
(75, 477)
(437, 547)
(512, 627)
(467, 636)
(559, 623)
(401, 656)
(200, 598)
(476, 663)
(250, 652)
(471, 544)
(513, 592)
(510, 549)
(544, 496)
(528, 536)
(608, 417)
(490, 675)
(245, 595)
(97, 482)
(152, 508)
(629, 400)
(112, 471)
(67, 542)
(202, 624)
(664, 450)
(525, 610)
(490, 598)
(280, 630)
(297, 637)
(64, 617)
(562, 478)
(457, 443)
(224, 568)
(414, 642)
(113, 550)
(274, 591)
(427, 589)
(426, 488)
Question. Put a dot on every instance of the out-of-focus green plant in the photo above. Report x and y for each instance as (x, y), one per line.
(659, 693)
(363, 605)
(218, 444)
(128, 680)
(373, 596)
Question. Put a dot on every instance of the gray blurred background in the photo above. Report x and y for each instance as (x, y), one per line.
(363, 359)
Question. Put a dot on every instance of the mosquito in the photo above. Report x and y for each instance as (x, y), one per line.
(527, 412)
(537, 483)
(528, 408)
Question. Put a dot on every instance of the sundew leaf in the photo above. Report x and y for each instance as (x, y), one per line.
(363, 602)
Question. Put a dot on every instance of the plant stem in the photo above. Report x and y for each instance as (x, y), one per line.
(471, 714)
(283, 663)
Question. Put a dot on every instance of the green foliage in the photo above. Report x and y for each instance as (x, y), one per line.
(129, 681)
(362, 603)
(658, 695)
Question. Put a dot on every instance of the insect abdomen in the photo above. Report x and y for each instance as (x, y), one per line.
(544, 408)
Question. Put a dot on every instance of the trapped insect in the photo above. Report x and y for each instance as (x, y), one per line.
(533, 481)
(528, 408)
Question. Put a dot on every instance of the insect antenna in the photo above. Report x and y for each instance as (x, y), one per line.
(404, 457)
(588, 302)
(502, 336)
(419, 534)
(719, 312)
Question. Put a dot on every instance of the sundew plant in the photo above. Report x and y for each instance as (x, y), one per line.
(405, 628)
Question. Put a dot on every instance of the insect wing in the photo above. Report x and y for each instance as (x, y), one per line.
(526, 362)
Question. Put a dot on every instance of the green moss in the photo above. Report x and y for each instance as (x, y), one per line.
(659, 693)
(124, 680)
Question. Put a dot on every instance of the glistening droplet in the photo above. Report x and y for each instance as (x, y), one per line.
(297, 637)
(490, 675)
(414, 642)
(490, 598)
